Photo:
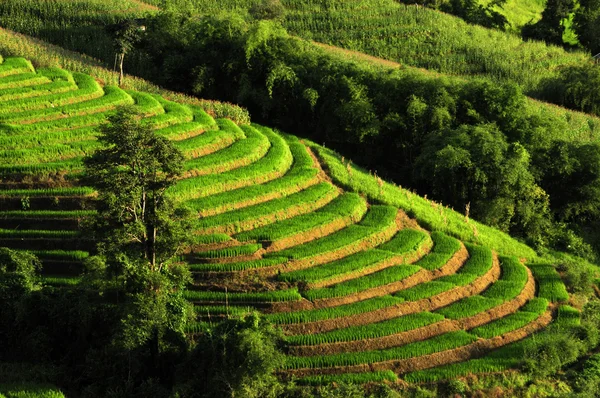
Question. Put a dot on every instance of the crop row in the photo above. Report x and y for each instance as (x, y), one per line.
(348, 206)
(15, 65)
(48, 192)
(369, 331)
(71, 165)
(305, 201)
(377, 218)
(45, 214)
(74, 121)
(297, 178)
(46, 138)
(208, 142)
(444, 248)
(452, 371)
(88, 89)
(479, 262)
(550, 286)
(238, 266)
(568, 316)
(405, 241)
(61, 255)
(261, 297)
(510, 285)
(207, 311)
(37, 234)
(55, 87)
(346, 265)
(439, 343)
(271, 166)
(233, 251)
(22, 80)
(289, 184)
(378, 279)
(113, 96)
(174, 113)
(18, 157)
(60, 281)
(206, 239)
(240, 153)
(510, 322)
(341, 311)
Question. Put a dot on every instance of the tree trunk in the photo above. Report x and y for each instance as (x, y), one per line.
(122, 57)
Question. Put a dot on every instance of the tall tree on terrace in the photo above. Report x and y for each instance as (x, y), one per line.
(125, 35)
(132, 173)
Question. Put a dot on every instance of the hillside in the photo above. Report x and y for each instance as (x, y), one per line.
(367, 280)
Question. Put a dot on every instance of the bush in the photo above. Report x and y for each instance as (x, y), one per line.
(267, 9)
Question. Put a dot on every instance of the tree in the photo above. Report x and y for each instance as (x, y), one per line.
(132, 173)
(125, 35)
(18, 273)
(140, 230)
(587, 24)
(551, 27)
(236, 358)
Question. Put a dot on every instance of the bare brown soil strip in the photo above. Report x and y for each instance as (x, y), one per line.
(425, 332)
(428, 304)
(473, 350)
(283, 214)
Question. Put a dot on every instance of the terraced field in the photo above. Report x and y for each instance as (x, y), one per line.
(360, 289)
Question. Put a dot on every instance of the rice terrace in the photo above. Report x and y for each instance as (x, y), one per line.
(291, 270)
